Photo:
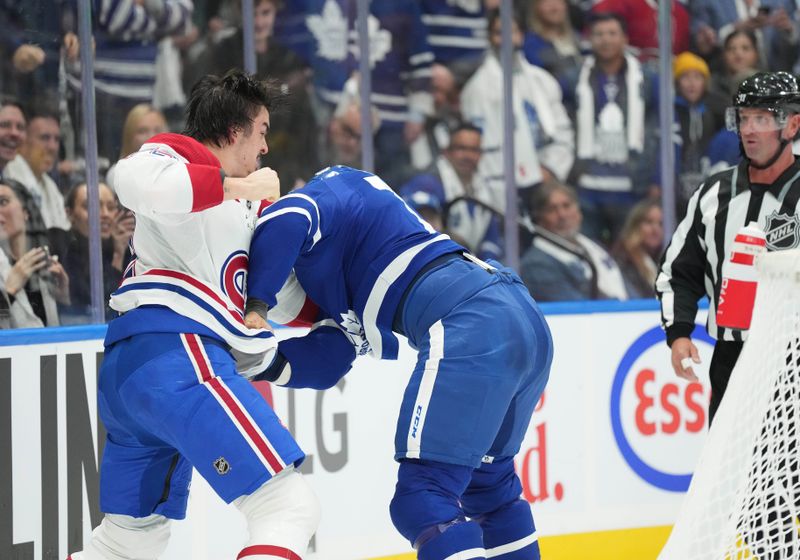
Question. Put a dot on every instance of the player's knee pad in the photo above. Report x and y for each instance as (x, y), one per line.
(493, 485)
(427, 495)
(120, 537)
(283, 512)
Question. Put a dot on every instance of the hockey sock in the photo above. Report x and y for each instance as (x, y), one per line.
(121, 537)
(492, 499)
(458, 540)
(509, 533)
(282, 516)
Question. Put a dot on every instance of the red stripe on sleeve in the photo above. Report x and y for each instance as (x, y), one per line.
(206, 186)
(307, 316)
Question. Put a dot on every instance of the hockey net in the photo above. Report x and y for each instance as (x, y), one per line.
(744, 498)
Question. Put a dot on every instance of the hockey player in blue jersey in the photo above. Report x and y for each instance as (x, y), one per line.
(378, 271)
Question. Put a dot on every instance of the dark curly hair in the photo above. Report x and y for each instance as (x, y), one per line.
(218, 106)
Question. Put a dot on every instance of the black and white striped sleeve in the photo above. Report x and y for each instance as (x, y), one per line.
(681, 279)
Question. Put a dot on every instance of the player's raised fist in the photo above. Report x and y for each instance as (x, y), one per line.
(265, 184)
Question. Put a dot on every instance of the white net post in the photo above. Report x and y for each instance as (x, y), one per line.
(744, 499)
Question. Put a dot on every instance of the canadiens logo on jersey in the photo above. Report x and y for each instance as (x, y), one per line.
(782, 231)
(233, 278)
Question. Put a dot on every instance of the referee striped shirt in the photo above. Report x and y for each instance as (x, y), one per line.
(692, 264)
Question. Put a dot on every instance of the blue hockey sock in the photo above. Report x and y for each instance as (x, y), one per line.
(509, 532)
(462, 538)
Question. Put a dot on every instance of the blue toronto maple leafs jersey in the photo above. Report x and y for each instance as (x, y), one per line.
(355, 246)
(324, 33)
(456, 28)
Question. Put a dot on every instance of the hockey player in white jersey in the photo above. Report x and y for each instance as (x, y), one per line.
(170, 395)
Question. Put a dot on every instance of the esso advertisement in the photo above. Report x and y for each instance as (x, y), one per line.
(659, 420)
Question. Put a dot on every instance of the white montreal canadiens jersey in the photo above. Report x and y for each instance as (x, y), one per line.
(191, 248)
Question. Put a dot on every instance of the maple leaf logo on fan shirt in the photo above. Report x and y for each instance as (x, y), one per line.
(380, 41)
(330, 30)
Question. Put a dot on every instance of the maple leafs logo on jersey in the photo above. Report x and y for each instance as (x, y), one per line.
(380, 41)
(354, 330)
(330, 30)
(782, 231)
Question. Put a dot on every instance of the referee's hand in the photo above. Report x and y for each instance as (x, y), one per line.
(684, 356)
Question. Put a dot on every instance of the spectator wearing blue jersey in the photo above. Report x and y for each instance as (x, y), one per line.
(457, 33)
(126, 36)
(400, 58)
(454, 180)
(614, 100)
(379, 272)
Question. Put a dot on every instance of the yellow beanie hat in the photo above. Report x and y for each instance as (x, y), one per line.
(688, 61)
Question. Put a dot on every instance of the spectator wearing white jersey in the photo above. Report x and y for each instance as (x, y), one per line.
(543, 134)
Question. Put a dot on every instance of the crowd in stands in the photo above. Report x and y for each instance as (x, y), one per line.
(585, 108)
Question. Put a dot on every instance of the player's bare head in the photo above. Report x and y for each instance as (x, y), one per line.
(219, 106)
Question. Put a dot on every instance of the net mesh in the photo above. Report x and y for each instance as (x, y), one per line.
(744, 499)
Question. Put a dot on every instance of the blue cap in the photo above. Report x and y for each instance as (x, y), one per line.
(424, 199)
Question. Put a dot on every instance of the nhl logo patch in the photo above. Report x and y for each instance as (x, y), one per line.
(222, 465)
(782, 231)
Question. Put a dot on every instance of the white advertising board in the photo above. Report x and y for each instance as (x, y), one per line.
(611, 446)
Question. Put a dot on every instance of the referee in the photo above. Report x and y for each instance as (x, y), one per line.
(763, 188)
